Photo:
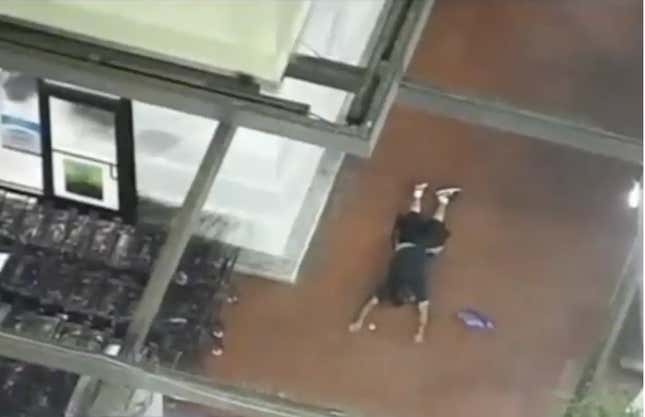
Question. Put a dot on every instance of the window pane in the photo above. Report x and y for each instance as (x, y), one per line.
(20, 145)
(84, 153)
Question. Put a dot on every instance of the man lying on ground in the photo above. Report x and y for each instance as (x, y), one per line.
(416, 240)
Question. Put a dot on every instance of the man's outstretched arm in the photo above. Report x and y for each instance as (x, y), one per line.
(424, 308)
(365, 311)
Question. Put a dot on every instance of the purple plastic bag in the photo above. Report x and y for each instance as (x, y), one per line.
(473, 319)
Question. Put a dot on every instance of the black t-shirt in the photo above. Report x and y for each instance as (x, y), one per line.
(413, 228)
(406, 277)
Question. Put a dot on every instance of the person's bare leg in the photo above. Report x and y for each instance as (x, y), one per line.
(423, 308)
(415, 207)
(417, 196)
(444, 197)
(365, 311)
(440, 211)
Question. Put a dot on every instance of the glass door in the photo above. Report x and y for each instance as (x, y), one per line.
(88, 152)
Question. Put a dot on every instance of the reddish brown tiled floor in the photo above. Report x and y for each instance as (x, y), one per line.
(537, 240)
(581, 58)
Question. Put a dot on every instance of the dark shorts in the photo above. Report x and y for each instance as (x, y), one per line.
(406, 281)
(413, 227)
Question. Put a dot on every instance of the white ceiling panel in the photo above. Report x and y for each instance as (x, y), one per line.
(255, 37)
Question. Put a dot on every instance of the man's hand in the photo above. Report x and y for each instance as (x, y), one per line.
(418, 338)
(355, 327)
(358, 324)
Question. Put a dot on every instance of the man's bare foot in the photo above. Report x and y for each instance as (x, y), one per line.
(355, 327)
(418, 338)
(446, 194)
(419, 189)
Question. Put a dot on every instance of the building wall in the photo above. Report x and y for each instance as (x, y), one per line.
(264, 178)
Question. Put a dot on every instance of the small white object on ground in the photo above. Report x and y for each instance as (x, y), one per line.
(372, 326)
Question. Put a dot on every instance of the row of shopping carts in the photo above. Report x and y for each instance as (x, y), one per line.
(75, 279)
(33, 391)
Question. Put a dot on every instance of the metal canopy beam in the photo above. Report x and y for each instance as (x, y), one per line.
(181, 229)
(166, 382)
(522, 122)
(396, 59)
(181, 97)
(29, 49)
(318, 70)
(26, 48)
(393, 12)
(326, 72)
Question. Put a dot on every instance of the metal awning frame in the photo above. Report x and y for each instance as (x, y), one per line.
(191, 388)
(235, 102)
(46, 53)
(130, 369)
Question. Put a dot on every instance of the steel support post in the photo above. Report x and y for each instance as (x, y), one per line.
(632, 283)
(181, 229)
